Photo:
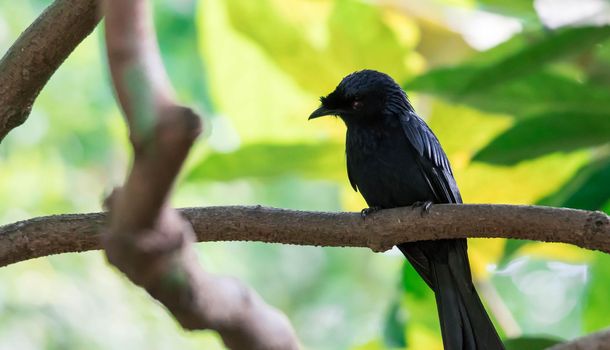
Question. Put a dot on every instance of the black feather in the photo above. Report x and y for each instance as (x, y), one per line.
(394, 160)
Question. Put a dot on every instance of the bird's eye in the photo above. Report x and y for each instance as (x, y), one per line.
(357, 104)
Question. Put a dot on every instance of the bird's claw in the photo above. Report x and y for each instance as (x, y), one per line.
(425, 207)
(368, 211)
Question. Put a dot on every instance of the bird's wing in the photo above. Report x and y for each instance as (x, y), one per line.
(349, 172)
(443, 264)
(433, 160)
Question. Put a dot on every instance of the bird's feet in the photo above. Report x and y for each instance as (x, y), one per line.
(368, 211)
(425, 207)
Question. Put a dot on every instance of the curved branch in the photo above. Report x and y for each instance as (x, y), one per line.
(380, 231)
(145, 238)
(38, 52)
(595, 341)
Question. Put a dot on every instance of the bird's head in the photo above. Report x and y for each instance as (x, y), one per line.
(363, 97)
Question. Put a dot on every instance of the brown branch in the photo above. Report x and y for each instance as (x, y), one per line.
(146, 239)
(595, 341)
(80, 232)
(35, 56)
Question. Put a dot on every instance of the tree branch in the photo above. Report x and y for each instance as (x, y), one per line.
(147, 239)
(595, 341)
(38, 52)
(380, 231)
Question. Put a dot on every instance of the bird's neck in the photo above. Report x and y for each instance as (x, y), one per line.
(367, 138)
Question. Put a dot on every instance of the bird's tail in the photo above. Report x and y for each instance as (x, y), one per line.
(443, 264)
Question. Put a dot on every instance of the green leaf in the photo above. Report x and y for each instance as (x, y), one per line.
(284, 41)
(178, 43)
(419, 301)
(554, 132)
(321, 160)
(530, 343)
(515, 77)
(517, 8)
(394, 327)
(555, 46)
(536, 93)
(589, 188)
(261, 102)
(413, 284)
(369, 44)
(597, 307)
(319, 44)
(510, 248)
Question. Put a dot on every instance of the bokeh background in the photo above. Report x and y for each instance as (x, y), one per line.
(518, 92)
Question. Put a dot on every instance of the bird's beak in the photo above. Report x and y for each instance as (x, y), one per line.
(322, 111)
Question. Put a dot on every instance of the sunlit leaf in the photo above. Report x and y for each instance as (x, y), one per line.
(525, 182)
(421, 337)
(588, 189)
(512, 78)
(554, 46)
(376, 344)
(533, 94)
(350, 199)
(260, 99)
(555, 132)
(316, 43)
(321, 160)
(286, 41)
(450, 122)
(554, 251)
(483, 252)
(370, 44)
(517, 8)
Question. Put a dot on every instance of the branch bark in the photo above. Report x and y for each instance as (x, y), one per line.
(380, 231)
(595, 341)
(38, 52)
(147, 239)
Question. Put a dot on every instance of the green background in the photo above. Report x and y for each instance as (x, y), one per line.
(525, 121)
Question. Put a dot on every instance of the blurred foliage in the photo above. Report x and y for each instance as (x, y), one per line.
(517, 8)
(530, 343)
(306, 160)
(525, 121)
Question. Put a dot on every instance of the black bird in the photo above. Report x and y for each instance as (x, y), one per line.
(395, 160)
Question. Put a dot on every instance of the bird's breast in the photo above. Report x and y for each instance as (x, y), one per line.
(382, 164)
